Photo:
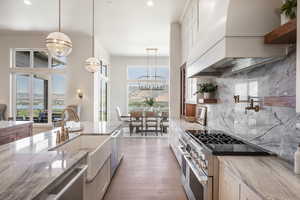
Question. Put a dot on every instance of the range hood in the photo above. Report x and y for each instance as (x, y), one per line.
(231, 36)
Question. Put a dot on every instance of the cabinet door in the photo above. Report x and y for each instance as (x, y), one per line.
(229, 186)
(247, 194)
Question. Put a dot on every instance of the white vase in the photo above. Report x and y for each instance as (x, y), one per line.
(208, 95)
(284, 19)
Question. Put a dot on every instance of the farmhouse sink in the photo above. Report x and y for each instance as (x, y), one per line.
(97, 146)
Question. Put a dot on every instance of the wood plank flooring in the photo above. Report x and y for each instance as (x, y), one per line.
(149, 171)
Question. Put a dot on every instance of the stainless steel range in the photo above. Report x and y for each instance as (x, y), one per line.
(200, 166)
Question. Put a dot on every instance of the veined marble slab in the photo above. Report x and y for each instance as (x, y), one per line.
(8, 124)
(100, 127)
(271, 178)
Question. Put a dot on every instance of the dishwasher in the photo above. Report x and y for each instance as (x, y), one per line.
(117, 152)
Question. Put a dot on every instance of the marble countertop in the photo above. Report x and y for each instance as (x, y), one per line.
(27, 167)
(271, 178)
(8, 124)
(185, 125)
(99, 127)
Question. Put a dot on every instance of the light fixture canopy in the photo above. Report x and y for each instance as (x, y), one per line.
(92, 64)
(58, 43)
(150, 3)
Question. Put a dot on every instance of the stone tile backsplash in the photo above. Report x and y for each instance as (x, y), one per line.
(273, 128)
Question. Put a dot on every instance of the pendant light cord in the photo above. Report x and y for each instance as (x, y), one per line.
(59, 15)
(93, 29)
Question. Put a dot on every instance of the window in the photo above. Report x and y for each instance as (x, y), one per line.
(136, 97)
(103, 93)
(38, 85)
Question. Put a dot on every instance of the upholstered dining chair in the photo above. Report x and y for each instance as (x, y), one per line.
(151, 121)
(136, 121)
(2, 112)
(164, 122)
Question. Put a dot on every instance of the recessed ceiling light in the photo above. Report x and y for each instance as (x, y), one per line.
(150, 3)
(27, 2)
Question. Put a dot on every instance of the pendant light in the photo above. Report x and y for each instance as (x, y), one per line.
(93, 64)
(58, 43)
(152, 81)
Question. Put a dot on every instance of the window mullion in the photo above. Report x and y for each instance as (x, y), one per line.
(31, 96)
(49, 99)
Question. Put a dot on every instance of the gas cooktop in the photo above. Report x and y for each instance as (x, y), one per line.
(220, 143)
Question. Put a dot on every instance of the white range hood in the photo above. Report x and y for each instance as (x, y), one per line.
(231, 36)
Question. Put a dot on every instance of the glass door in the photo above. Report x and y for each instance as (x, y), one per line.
(31, 96)
(23, 103)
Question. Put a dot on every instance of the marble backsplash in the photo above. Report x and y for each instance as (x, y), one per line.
(273, 128)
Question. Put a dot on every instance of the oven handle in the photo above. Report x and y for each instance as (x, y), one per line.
(201, 176)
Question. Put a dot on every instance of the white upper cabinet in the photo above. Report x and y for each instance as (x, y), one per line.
(213, 30)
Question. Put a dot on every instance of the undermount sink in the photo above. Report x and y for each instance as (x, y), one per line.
(98, 146)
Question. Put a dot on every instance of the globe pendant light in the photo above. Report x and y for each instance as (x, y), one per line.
(58, 43)
(93, 64)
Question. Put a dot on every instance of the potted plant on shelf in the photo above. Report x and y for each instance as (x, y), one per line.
(288, 11)
(150, 101)
(207, 89)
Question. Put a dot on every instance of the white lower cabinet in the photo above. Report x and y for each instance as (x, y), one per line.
(174, 141)
(96, 189)
(231, 187)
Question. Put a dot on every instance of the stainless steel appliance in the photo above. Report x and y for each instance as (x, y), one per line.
(200, 167)
(117, 153)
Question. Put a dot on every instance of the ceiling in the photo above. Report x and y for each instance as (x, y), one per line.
(125, 27)
(128, 27)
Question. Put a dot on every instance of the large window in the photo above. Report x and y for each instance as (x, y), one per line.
(136, 96)
(38, 85)
(103, 93)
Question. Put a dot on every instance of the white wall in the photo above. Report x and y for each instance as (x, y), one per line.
(118, 81)
(175, 63)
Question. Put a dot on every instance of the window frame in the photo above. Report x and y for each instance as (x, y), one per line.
(31, 71)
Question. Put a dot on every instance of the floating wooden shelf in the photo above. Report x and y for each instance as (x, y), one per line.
(207, 101)
(285, 34)
(280, 101)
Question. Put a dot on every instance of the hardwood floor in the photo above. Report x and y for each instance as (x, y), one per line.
(149, 171)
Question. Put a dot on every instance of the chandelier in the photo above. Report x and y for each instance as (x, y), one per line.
(152, 81)
(58, 43)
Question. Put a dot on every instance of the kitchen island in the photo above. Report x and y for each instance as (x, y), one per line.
(14, 130)
(28, 168)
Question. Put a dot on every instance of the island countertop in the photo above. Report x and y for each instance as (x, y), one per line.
(99, 127)
(27, 168)
(271, 178)
(9, 124)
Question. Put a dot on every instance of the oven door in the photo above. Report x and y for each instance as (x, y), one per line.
(198, 185)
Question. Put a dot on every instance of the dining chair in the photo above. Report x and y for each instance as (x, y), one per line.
(2, 111)
(136, 121)
(151, 121)
(120, 116)
(164, 122)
